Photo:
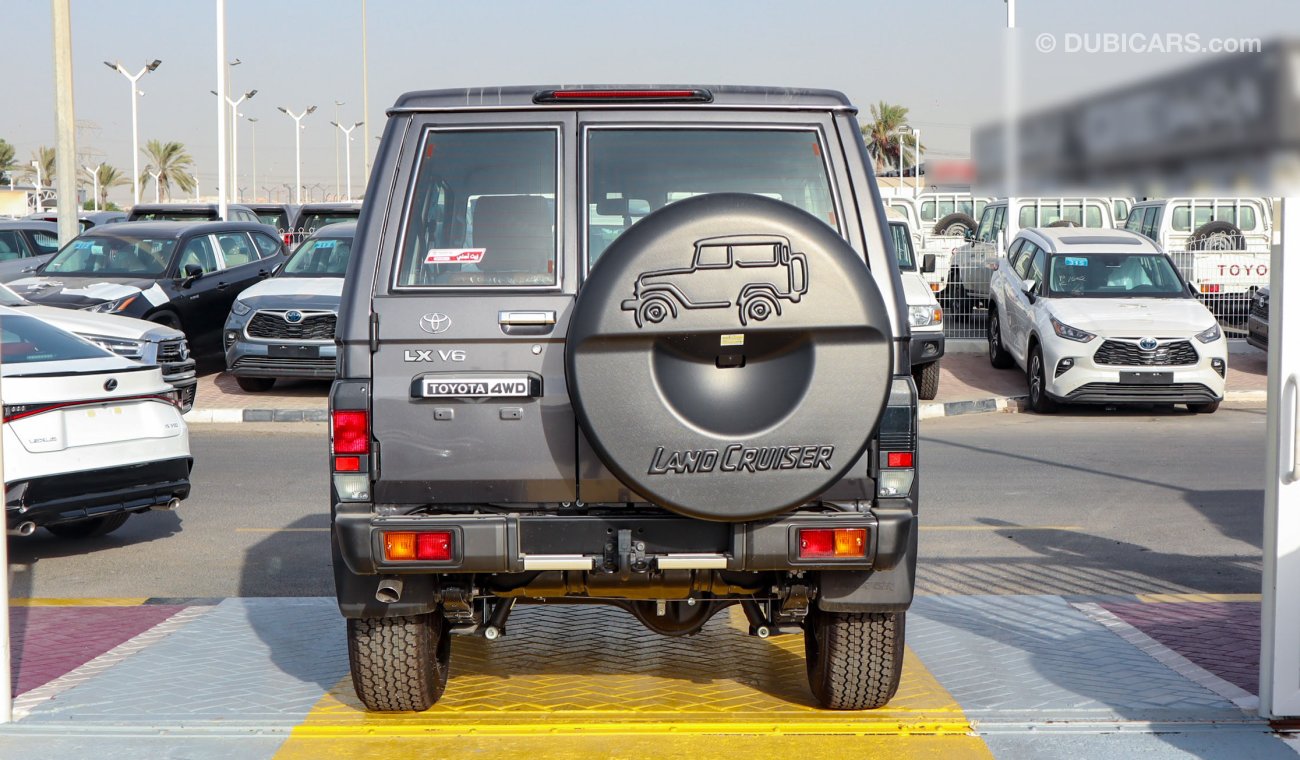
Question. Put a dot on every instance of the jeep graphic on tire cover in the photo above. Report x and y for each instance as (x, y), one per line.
(729, 357)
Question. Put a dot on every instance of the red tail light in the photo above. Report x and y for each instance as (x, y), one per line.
(350, 431)
(832, 543)
(899, 459)
(1209, 288)
(429, 546)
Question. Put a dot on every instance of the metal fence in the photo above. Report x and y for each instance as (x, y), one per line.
(1225, 281)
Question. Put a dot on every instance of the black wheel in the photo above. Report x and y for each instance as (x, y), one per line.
(166, 318)
(255, 384)
(999, 357)
(927, 380)
(956, 301)
(399, 663)
(1206, 408)
(957, 225)
(92, 528)
(855, 659)
(1038, 400)
(1217, 236)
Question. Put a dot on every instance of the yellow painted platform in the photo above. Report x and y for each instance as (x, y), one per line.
(591, 681)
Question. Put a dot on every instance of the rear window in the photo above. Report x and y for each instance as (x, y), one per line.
(173, 216)
(632, 172)
(1184, 220)
(482, 211)
(314, 220)
(27, 340)
(277, 219)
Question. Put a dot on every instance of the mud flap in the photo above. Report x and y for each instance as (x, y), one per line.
(871, 590)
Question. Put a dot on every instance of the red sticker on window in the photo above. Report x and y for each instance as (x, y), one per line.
(454, 255)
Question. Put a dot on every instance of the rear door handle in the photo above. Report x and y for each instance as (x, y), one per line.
(526, 318)
(222, 286)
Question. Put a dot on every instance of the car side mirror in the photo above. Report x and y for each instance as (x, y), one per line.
(927, 263)
(191, 273)
(1031, 289)
(969, 236)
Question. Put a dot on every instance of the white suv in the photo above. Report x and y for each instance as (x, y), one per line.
(1103, 317)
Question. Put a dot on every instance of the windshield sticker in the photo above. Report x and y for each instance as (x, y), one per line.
(326, 243)
(1075, 261)
(455, 255)
(81, 244)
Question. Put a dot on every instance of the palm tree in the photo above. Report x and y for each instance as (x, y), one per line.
(6, 159)
(172, 165)
(109, 177)
(882, 137)
(45, 157)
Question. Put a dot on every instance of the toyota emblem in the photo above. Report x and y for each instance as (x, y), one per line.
(1148, 344)
(435, 323)
(110, 384)
(293, 316)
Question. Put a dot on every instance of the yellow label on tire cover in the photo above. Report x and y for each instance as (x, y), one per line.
(735, 339)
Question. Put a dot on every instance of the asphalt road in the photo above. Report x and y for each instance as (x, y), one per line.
(1082, 502)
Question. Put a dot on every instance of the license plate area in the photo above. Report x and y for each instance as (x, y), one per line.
(283, 351)
(1146, 378)
(471, 385)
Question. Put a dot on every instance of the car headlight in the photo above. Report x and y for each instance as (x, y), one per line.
(924, 316)
(113, 307)
(131, 349)
(239, 308)
(1210, 334)
(1070, 333)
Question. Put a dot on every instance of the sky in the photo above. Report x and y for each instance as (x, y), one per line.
(942, 59)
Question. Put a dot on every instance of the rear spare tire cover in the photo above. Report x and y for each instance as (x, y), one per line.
(729, 357)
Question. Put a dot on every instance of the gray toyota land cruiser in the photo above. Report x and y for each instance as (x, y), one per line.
(644, 347)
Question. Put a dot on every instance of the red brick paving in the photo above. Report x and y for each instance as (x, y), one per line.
(48, 642)
(1222, 637)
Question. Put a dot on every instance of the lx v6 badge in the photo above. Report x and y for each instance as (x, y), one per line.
(421, 355)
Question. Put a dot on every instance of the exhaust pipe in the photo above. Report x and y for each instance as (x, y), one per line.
(389, 590)
(168, 507)
(23, 529)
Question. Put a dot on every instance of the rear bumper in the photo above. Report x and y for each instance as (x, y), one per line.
(1257, 331)
(523, 543)
(72, 496)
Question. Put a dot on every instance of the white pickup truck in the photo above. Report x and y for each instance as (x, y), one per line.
(1220, 245)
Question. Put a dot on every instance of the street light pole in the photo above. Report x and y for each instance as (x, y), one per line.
(899, 130)
(916, 152)
(234, 136)
(337, 191)
(135, 120)
(40, 180)
(365, 98)
(253, 120)
(347, 144)
(297, 149)
(156, 186)
(222, 209)
(94, 177)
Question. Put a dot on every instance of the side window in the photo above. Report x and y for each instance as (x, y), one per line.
(1120, 209)
(985, 231)
(266, 245)
(1151, 223)
(1014, 252)
(199, 252)
(1028, 217)
(713, 256)
(45, 242)
(12, 246)
(1036, 266)
(1134, 221)
(236, 249)
(1246, 222)
(999, 221)
(927, 211)
(1026, 258)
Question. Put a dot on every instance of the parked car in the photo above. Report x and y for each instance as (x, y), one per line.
(90, 438)
(1103, 317)
(1257, 322)
(146, 342)
(24, 245)
(973, 263)
(180, 274)
(284, 326)
(516, 418)
(278, 215)
(313, 216)
(189, 212)
(1221, 245)
(85, 219)
(923, 313)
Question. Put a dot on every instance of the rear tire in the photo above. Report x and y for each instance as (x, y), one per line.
(1038, 399)
(855, 659)
(1217, 236)
(927, 380)
(399, 663)
(255, 384)
(999, 357)
(92, 528)
(1206, 408)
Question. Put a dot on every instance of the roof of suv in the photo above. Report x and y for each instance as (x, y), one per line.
(176, 229)
(516, 97)
(1090, 240)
